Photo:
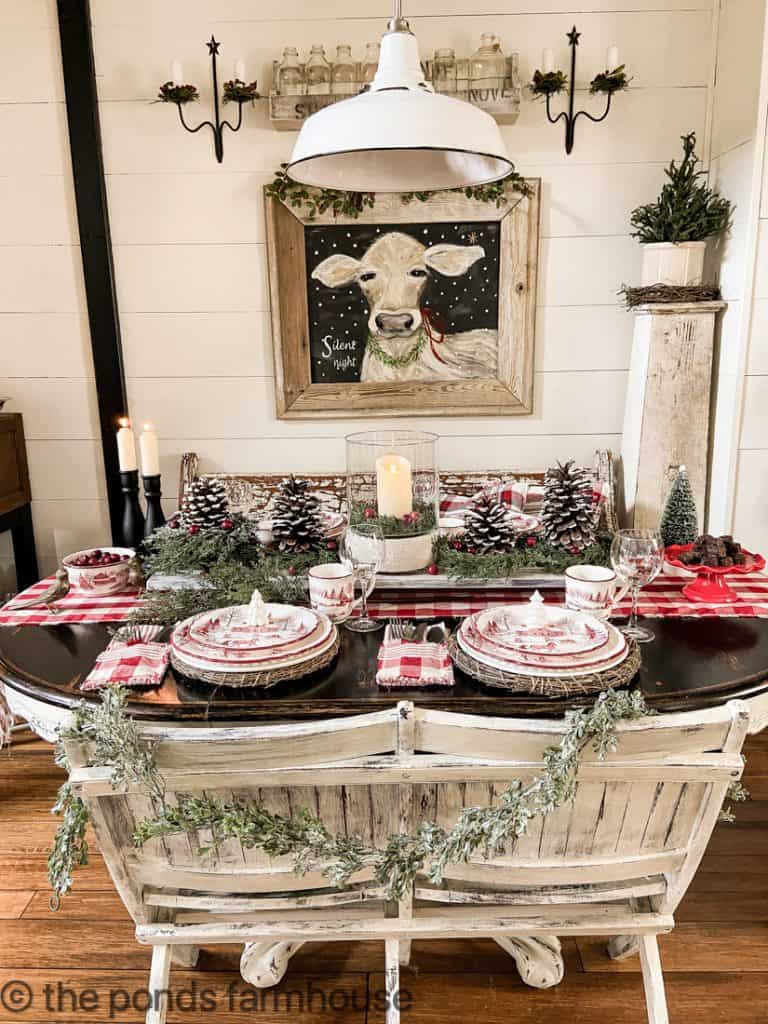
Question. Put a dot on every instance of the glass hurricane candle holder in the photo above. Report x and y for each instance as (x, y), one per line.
(392, 481)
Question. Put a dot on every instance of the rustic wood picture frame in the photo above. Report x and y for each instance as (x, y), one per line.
(509, 392)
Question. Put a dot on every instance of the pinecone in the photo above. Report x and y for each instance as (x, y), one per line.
(205, 504)
(296, 520)
(488, 528)
(569, 517)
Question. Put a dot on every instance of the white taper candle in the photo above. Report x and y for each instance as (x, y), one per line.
(126, 447)
(547, 61)
(612, 58)
(150, 451)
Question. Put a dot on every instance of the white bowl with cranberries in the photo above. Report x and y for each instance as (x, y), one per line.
(99, 570)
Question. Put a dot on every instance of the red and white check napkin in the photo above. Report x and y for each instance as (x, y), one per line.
(405, 663)
(522, 495)
(131, 659)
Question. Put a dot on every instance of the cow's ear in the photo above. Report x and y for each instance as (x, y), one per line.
(336, 271)
(453, 260)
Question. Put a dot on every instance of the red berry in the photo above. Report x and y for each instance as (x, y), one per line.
(173, 523)
(370, 513)
(408, 518)
(456, 545)
(193, 529)
(414, 517)
(227, 524)
(291, 570)
(531, 542)
(331, 545)
(432, 570)
(574, 550)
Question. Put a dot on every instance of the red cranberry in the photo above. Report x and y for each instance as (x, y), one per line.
(331, 545)
(432, 570)
(174, 524)
(227, 524)
(291, 570)
(370, 513)
(193, 529)
(531, 542)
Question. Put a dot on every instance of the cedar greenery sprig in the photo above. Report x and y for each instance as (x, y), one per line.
(495, 192)
(422, 520)
(237, 91)
(530, 554)
(610, 81)
(686, 210)
(181, 94)
(175, 550)
(548, 83)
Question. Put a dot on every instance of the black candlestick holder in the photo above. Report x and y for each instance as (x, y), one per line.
(152, 493)
(133, 517)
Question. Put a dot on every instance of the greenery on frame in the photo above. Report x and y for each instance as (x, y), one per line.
(525, 557)
(686, 209)
(181, 94)
(610, 81)
(351, 204)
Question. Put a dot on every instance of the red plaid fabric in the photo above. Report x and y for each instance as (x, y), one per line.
(408, 664)
(6, 720)
(75, 607)
(520, 495)
(129, 663)
(664, 597)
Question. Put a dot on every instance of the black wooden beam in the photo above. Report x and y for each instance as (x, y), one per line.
(95, 242)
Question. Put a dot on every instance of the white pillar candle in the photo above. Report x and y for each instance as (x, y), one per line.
(612, 58)
(394, 493)
(177, 74)
(547, 61)
(240, 70)
(126, 447)
(150, 451)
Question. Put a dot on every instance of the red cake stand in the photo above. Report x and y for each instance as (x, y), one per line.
(709, 586)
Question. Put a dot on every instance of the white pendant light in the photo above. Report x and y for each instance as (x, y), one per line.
(399, 135)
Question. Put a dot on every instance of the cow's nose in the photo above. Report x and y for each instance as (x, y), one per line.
(394, 321)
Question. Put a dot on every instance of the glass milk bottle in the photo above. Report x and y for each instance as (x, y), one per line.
(487, 68)
(370, 62)
(343, 72)
(317, 72)
(444, 70)
(290, 77)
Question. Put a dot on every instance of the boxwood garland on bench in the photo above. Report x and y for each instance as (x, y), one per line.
(117, 743)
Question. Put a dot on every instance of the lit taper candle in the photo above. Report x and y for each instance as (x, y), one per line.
(126, 447)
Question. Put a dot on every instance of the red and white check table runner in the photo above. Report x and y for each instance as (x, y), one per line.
(664, 597)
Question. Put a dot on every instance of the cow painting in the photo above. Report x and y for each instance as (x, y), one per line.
(405, 338)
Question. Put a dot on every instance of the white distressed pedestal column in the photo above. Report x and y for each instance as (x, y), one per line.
(666, 420)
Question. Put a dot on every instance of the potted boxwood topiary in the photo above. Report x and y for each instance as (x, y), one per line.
(674, 229)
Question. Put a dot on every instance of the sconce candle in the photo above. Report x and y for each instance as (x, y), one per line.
(126, 447)
(177, 74)
(394, 492)
(612, 58)
(150, 451)
(547, 61)
(240, 70)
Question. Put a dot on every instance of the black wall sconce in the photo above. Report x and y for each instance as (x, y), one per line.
(234, 91)
(548, 83)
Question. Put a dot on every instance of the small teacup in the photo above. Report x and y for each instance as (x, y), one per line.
(332, 590)
(594, 589)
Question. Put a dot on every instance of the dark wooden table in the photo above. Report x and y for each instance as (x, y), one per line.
(692, 663)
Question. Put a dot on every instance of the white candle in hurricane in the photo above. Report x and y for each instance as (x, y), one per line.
(547, 61)
(177, 75)
(240, 70)
(394, 493)
(150, 451)
(612, 58)
(126, 447)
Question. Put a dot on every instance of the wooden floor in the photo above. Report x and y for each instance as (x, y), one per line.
(715, 962)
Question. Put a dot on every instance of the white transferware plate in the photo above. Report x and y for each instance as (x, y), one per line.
(558, 632)
(614, 644)
(207, 661)
(229, 627)
(573, 671)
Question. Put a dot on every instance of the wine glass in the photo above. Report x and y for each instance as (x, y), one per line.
(362, 550)
(637, 556)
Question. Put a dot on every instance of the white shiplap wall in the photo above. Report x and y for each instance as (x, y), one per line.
(45, 360)
(189, 235)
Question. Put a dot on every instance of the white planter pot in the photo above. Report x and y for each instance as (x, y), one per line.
(673, 263)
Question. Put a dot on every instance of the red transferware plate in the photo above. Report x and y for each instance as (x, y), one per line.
(710, 587)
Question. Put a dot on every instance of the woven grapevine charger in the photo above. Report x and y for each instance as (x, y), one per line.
(271, 677)
(548, 686)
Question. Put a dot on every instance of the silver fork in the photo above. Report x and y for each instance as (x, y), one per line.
(397, 628)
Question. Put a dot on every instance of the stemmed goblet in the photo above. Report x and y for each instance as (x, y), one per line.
(637, 556)
(362, 551)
